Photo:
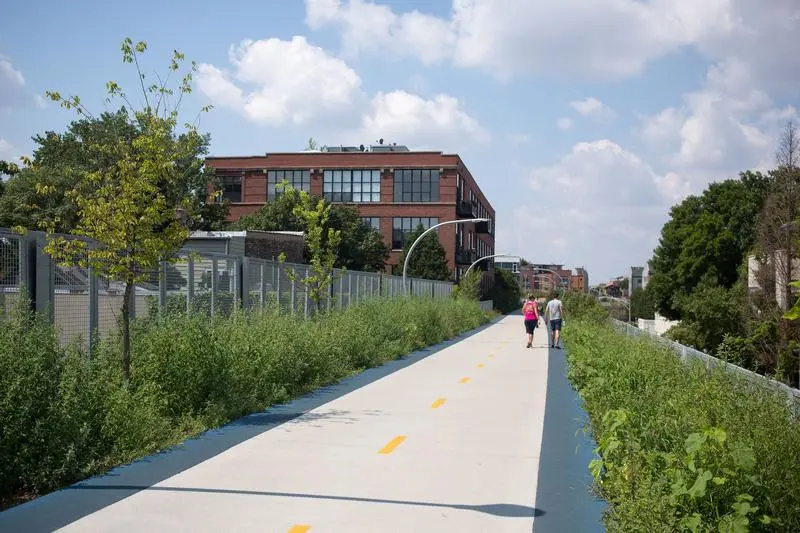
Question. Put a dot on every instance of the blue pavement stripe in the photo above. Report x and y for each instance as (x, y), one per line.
(67, 505)
(564, 483)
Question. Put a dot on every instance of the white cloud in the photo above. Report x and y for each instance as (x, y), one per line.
(564, 123)
(592, 107)
(728, 125)
(275, 82)
(6, 150)
(9, 75)
(373, 28)
(617, 37)
(520, 138)
(438, 123)
(599, 205)
(40, 101)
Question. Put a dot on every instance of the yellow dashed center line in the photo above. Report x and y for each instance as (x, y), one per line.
(438, 403)
(394, 443)
(299, 529)
(465, 380)
(491, 356)
(480, 365)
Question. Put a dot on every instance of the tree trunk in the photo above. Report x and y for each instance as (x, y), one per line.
(126, 330)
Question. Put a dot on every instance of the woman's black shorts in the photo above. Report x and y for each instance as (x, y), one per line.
(530, 325)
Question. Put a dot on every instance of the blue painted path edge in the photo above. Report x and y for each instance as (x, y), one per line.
(64, 506)
(564, 483)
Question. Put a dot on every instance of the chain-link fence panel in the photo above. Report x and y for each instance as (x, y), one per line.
(12, 270)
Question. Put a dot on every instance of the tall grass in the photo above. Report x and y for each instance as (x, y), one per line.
(681, 449)
(64, 416)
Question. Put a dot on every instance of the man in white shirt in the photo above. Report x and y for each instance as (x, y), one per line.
(555, 313)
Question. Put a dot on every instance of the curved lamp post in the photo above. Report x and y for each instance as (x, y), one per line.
(487, 257)
(414, 244)
(614, 298)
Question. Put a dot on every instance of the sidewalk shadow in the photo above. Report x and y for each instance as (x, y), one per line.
(504, 510)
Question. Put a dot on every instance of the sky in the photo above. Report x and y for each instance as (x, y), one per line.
(583, 121)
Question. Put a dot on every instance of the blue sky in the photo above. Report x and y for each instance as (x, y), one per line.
(583, 120)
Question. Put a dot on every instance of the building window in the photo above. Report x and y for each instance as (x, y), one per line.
(299, 179)
(352, 185)
(417, 185)
(231, 188)
(403, 226)
(373, 222)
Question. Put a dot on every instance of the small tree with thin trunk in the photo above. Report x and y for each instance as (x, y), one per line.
(321, 239)
(130, 208)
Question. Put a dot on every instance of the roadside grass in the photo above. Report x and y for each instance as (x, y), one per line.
(65, 416)
(679, 448)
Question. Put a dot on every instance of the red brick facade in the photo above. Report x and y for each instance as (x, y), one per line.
(253, 172)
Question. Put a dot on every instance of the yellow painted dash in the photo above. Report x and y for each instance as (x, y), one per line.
(438, 403)
(299, 529)
(480, 365)
(491, 356)
(465, 380)
(394, 443)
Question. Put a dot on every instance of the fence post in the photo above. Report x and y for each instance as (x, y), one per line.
(190, 285)
(341, 291)
(293, 293)
(214, 272)
(243, 284)
(306, 296)
(349, 288)
(278, 285)
(263, 287)
(162, 285)
(94, 312)
(44, 282)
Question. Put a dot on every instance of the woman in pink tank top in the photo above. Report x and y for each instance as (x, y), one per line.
(531, 313)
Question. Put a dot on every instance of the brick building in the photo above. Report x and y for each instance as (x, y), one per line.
(394, 190)
(579, 281)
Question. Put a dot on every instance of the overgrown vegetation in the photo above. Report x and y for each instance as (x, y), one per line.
(699, 271)
(680, 449)
(64, 416)
(505, 293)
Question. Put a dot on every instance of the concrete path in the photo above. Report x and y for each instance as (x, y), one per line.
(449, 443)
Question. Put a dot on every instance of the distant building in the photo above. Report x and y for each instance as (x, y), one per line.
(579, 281)
(636, 280)
(393, 188)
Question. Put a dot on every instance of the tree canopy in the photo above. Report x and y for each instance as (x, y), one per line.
(429, 260)
(61, 161)
(705, 240)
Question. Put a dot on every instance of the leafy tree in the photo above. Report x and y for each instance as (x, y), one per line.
(705, 240)
(61, 160)
(322, 241)
(429, 260)
(505, 294)
(362, 246)
(130, 207)
(710, 313)
(642, 304)
(469, 286)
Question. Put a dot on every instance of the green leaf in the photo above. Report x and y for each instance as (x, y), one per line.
(694, 442)
(698, 490)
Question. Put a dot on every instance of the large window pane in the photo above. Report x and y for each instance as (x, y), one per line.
(416, 185)
(232, 188)
(350, 183)
(299, 179)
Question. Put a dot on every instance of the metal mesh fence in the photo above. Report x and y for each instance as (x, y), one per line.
(85, 306)
(12, 270)
(688, 354)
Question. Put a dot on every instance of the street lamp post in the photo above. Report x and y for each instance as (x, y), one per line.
(414, 244)
(487, 257)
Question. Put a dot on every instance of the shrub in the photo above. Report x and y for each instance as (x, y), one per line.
(64, 416)
(682, 449)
